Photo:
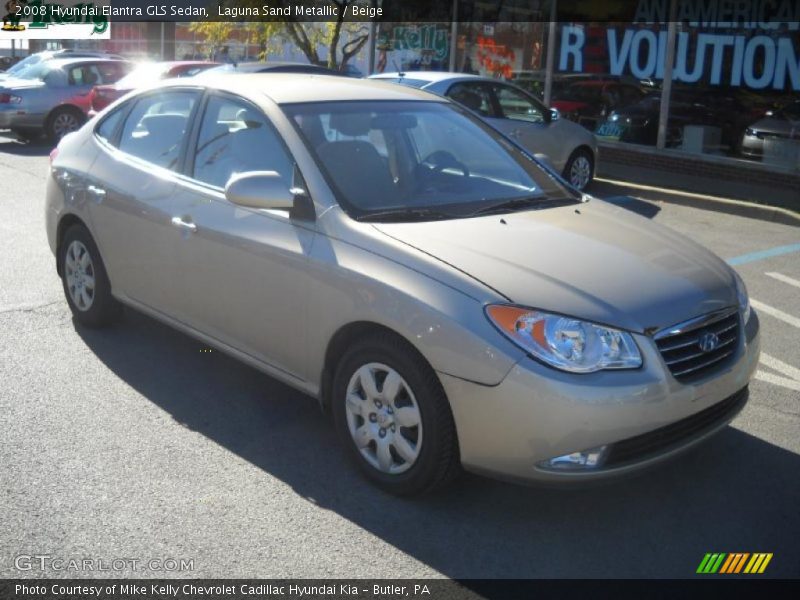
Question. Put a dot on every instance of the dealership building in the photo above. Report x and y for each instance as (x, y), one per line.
(731, 97)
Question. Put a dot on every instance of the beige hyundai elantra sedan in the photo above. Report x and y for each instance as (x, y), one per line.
(450, 301)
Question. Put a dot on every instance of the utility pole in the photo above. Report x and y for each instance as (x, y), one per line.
(666, 86)
(551, 51)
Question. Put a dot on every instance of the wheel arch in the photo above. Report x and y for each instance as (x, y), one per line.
(67, 221)
(341, 340)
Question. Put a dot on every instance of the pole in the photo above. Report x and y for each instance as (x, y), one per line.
(453, 37)
(666, 86)
(551, 51)
(162, 40)
(371, 48)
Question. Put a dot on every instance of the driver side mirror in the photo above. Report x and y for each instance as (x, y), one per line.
(553, 115)
(259, 189)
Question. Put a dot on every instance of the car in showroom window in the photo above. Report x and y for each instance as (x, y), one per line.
(451, 302)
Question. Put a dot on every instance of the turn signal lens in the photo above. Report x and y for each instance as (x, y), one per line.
(566, 343)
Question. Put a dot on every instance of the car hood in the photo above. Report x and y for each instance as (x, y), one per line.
(775, 126)
(590, 260)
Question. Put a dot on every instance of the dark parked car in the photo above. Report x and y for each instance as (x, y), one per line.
(638, 123)
(144, 74)
(590, 102)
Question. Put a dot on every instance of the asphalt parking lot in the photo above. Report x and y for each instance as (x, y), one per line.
(133, 442)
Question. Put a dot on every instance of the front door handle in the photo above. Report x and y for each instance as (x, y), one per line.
(185, 225)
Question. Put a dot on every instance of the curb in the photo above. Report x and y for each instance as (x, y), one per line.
(739, 208)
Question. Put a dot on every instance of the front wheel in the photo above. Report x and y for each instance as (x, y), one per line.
(86, 283)
(579, 169)
(392, 415)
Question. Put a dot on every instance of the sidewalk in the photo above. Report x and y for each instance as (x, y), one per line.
(616, 191)
(714, 183)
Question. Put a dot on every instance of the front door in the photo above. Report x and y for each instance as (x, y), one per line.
(244, 270)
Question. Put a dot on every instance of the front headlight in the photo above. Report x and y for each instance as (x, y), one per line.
(566, 343)
(742, 297)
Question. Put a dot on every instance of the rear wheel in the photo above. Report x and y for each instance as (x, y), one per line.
(85, 281)
(579, 169)
(392, 415)
(63, 121)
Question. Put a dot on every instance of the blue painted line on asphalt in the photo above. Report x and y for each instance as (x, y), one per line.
(762, 254)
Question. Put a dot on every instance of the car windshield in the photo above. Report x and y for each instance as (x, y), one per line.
(25, 63)
(421, 157)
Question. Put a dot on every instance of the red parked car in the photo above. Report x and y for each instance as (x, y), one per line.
(144, 74)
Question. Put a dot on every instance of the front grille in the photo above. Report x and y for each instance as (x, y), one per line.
(683, 350)
(642, 446)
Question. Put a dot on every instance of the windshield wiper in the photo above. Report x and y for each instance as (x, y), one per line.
(513, 204)
(408, 214)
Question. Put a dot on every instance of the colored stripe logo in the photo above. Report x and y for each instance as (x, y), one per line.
(735, 562)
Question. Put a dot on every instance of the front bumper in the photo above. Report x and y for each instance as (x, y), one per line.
(537, 413)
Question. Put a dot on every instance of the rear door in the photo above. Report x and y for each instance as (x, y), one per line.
(131, 197)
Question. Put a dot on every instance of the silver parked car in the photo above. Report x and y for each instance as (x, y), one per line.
(53, 96)
(783, 124)
(570, 148)
(447, 299)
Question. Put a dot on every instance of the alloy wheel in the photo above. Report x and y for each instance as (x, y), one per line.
(64, 123)
(80, 275)
(580, 172)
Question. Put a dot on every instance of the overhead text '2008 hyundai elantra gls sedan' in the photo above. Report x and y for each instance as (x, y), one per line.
(447, 299)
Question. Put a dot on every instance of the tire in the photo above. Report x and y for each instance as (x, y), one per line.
(420, 398)
(63, 121)
(579, 170)
(85, 280)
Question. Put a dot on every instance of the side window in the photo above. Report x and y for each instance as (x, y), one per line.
(475, 97)
(108, 126)
(110, 72)
(516, 105)
(85, 74)
(235, 137)
(155, 129)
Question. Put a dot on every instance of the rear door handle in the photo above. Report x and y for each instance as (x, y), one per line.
(98, 193)
(185, 225)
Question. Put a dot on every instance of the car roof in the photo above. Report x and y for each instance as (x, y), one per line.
(253, 67)
(431, 76)
(290, 88)
(62, 62)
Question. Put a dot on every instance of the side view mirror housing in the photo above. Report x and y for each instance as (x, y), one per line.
(554, 115)
(259, 189)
